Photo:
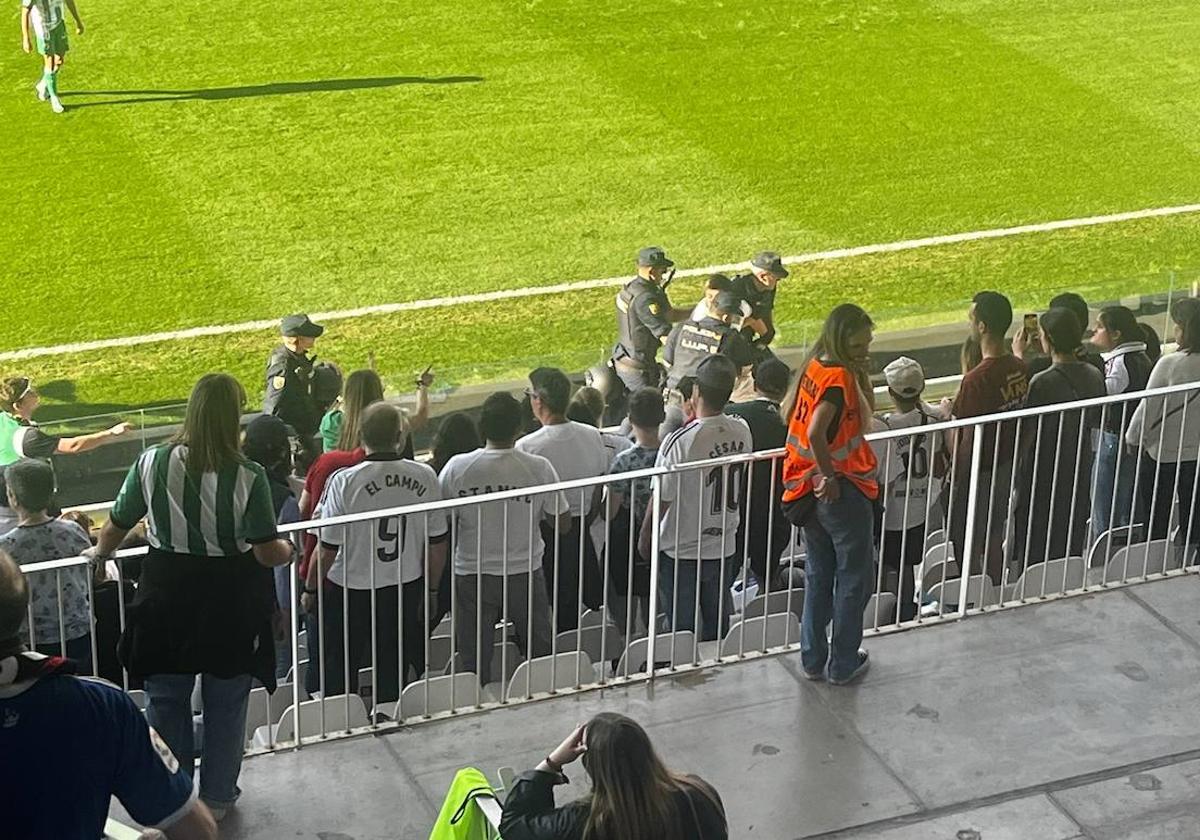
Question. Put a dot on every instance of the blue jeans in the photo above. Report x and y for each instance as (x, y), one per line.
(714, 592)
(838, 581)
(170, 712)
(1114, 481)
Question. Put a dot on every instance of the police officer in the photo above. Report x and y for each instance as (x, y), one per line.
(758, 290)
(716, 333)
(290, 378)
(644, 318)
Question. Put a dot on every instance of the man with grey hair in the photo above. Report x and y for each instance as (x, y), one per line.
(757, 288)
(79, 741)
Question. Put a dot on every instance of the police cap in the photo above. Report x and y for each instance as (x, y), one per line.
(653, 257)
(727, 303)
(771, 262)
(299, 326)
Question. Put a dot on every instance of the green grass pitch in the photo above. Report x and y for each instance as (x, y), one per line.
(228, 163)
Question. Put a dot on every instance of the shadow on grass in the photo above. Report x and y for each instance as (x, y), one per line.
(136, 97)
(62, 413)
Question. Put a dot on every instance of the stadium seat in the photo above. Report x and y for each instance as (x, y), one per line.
(600, 644)
(761, 633)
(777, 602)
(139, 698)
(1104, 546)
(939, 572)
(439, 694)
(551, 673)
(297, 672)
(1051, 578)
(508, 654)
(939, 554)
(980, 593)
(880, 610)
(342, 712)
(592, 618)
(670, 648)
(935, 538)
(1141, 559)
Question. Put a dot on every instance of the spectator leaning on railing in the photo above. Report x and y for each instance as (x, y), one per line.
(21, 438)
(204, 599)
(68, 745)
(633, 793)
(1168, 429)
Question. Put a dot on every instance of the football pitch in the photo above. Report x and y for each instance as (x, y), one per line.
(222, 164)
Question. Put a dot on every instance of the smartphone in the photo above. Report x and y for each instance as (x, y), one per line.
(1031, 328)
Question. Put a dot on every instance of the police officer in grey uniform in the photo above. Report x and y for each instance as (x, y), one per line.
(758, 289)
(716, 333)
(290, 378)
(644, 319)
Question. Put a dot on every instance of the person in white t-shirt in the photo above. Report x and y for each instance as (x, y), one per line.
(701, 507)
(498, 545)
(910, 472)
(391, 557)
(577, 451)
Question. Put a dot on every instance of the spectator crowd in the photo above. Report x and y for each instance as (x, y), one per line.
(219, 588)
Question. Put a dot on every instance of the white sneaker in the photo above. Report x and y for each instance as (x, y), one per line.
(56, 105)
(40, 87)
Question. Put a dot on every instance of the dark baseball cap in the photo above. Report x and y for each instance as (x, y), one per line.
(265, 434)
(716, 372)
(299, 326)
(770, 261)
(771, 376)
(727, 303)
(654, 257)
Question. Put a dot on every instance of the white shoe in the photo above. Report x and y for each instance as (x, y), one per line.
(40, 87)
(56, 105)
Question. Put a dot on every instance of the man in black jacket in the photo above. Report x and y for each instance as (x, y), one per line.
(768, 529)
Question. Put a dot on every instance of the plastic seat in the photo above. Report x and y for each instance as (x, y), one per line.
(980, 593)
(880, 610)
(601, 644)
(775, 603)
(550, 673)
(139, 698)
(934, 538)
(761, 633)
(507, 654)
(439, 694)
(1140, 559)
(342, 712)
(1108, 543)
(1051, 578)
(939, 572)
(670, 648)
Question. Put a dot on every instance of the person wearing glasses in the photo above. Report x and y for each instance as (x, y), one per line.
(21, 438)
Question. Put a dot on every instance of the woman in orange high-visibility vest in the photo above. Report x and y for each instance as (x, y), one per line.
(829, 486)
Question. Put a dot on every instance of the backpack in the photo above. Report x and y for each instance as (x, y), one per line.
(458, 820)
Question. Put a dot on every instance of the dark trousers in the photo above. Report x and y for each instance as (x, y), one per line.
(991, 519)
(79, 651)
(902, 551)
(576, 562)
(1157, 489)
(347, 637)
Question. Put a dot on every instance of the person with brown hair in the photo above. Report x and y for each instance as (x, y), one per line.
(20, 437)
(204, 601)
(634, 795)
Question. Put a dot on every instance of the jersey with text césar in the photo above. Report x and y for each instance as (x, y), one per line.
(906, 465)
(575, 450)
(502, 537)
(394, 545)
(702, 520)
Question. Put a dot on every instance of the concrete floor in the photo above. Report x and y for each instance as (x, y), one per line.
(1071, 719)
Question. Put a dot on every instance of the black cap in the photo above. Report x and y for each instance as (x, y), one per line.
(264, 434)
(771, 376)
(770, 261)
(717, 372)
(727, 303)
(299, 326)
(653, 257)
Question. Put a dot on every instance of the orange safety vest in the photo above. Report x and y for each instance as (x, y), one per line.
(852, 455)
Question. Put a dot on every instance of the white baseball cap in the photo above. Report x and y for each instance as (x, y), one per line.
(905, 377)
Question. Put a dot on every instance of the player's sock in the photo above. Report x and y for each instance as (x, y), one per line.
(51, 81)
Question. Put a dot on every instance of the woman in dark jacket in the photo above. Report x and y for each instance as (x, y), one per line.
(634, 796)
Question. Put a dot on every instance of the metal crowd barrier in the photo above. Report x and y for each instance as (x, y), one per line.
(978, 553)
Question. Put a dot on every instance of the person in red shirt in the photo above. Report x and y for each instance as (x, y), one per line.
(999, 383)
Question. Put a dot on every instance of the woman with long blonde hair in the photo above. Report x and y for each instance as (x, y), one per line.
(634, 795)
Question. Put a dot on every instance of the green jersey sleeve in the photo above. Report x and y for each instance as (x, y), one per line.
(131, 505)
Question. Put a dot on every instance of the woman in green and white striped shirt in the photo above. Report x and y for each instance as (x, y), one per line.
(205, 597)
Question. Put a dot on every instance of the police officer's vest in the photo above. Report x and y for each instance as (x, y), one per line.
(10, 428)
(851, 454)
(696, 343)
(634, 341)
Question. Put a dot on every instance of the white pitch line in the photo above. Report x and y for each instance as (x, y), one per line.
(581, 285)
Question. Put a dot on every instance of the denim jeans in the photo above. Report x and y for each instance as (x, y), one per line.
(1114, 485)
(170, 713)
(838, 581)
(679, 603)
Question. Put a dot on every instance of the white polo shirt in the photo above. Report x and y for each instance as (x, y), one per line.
(394, 546)
(576, 450)
(500, 538)
(702, 521)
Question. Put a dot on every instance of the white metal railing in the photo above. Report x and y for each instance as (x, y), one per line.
(989, 556)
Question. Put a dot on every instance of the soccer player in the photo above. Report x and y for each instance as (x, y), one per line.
(49, 26)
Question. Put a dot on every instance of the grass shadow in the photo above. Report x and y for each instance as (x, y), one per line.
(137, 97)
